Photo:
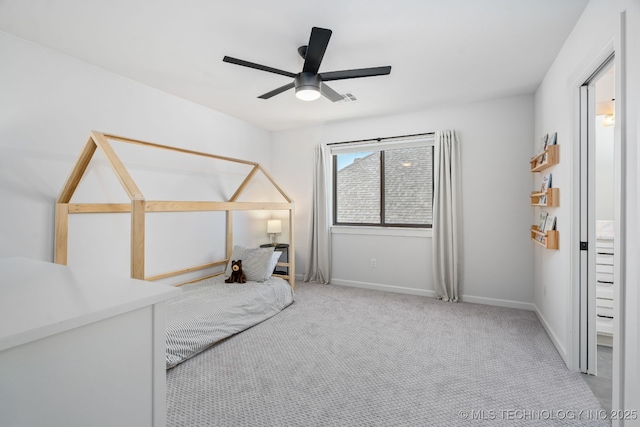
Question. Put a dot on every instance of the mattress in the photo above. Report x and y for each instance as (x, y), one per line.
(211, 310)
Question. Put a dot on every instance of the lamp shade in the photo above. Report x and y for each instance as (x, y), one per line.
(274, 226)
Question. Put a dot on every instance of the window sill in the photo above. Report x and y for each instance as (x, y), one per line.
(383, 231)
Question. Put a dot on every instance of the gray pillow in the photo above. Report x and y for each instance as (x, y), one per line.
(274, 260)
(256, 262)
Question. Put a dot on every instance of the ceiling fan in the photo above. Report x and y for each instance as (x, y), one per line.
(309, 84)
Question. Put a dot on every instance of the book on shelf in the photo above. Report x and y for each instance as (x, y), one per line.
(542, 200)
(543, 143)
(540, 148)
(553, 139)
(541, 160)
(542, 219)
(549, 224)
(546, 183)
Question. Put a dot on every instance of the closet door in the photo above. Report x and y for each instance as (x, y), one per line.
(588, 341)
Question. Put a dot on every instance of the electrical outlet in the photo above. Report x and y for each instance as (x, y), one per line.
(374, 264)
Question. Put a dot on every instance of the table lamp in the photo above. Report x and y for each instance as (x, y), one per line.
(274, 227)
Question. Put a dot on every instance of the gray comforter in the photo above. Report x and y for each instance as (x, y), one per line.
(211, 310)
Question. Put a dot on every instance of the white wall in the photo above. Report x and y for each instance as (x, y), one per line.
(555, 106)
(604, 170)
(496, 138)
(50, 102)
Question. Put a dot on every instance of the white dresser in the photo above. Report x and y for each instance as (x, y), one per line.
(604, 282)
(80, 349)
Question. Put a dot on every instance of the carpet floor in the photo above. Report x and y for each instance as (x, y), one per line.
(342, 356)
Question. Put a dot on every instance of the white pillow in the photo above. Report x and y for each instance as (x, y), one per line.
(274, 260)
(256, 262)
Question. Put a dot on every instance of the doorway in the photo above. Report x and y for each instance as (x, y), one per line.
(597, 230)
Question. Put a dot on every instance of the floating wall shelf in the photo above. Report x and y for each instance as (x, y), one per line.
(549, 157)
(549, 240)
(552, 196)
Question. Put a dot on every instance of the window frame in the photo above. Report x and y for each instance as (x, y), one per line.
(381, 148)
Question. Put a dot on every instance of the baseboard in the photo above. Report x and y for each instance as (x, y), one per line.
(552, 336)
(432, 294)
(498, 302)
(385, 288)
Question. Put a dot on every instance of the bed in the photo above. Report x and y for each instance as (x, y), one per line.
(211, 310)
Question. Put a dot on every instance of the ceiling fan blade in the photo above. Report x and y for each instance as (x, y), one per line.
(277, 91)
(318, 43)
(330, 94)
(257, 66)
(354, 74)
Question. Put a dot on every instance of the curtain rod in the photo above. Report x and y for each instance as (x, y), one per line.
(383, 139)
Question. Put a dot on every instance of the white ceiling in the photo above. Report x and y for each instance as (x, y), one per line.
(442, 52)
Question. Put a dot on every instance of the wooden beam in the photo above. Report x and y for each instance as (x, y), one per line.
(77, 172)
(198, 279)
(186, 270)
(180, 150)
(169, 206)
(118, 168)
(164, 206)
(75, 208)
(273, 182)
(61, 234)
(139, 206)
(244, 183)
(137, 238)
(229, 237)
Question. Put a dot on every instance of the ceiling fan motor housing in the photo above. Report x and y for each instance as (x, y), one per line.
(307, 81)
(307, 86)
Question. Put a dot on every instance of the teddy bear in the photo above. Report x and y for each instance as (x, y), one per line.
(237, 275)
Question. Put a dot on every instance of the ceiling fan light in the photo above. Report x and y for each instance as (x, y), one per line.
(307, 93)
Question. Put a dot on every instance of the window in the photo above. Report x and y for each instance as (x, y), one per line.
(383, 184)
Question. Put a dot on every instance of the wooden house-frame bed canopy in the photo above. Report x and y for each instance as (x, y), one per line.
(139, 206)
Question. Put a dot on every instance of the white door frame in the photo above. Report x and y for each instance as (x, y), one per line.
(588, 317)
(617, 45)
(578, 307)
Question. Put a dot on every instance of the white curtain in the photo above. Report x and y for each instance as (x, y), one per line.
(318, 265)
(446, 215)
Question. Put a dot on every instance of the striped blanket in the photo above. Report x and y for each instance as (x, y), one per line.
(211, 310)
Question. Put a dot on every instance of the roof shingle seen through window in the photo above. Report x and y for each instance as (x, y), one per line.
(408, 188)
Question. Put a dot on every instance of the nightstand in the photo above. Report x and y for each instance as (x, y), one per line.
(284, 248)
